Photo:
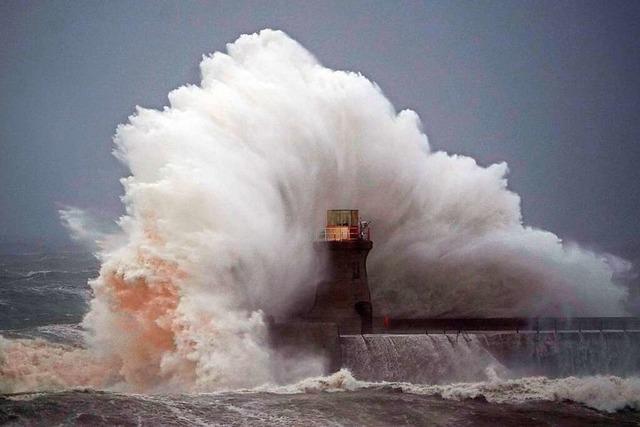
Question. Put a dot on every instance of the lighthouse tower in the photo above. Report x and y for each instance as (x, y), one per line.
(343, 296)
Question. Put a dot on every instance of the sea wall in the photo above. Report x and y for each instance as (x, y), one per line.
(443, 358)
(458, 356)
(429, 359)
(567, 353)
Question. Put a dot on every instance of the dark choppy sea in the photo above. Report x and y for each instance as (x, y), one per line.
(45, 295)
(367, 407)
(38, 289)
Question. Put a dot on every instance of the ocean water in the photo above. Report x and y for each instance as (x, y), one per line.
(407, 380)
(44, 288)
(367, 407)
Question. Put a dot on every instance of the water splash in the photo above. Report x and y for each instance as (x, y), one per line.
(228, 185)
(427, 359)
(605, 393)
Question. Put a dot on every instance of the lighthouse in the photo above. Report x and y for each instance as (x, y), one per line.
(343, 296)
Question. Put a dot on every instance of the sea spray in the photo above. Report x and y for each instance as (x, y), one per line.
(228, 185)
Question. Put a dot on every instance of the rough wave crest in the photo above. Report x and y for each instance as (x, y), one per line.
(605, 393)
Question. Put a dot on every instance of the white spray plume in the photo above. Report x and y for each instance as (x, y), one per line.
(92, 232)
(230, 183)
(81, 226)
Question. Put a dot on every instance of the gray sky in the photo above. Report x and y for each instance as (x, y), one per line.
(552, 88)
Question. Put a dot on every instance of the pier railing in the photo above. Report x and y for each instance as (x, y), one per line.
(338, 233)
(515, 324)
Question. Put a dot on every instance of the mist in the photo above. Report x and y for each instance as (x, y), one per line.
(229, 184)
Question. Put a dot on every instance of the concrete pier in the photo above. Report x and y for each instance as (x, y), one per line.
(448, 347)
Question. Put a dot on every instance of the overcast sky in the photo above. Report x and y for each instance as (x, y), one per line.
(552, 88)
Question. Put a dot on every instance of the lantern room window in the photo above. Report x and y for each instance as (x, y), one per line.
(344, 224)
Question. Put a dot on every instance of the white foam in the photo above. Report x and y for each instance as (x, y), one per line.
(228, 186)
(605, 393)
